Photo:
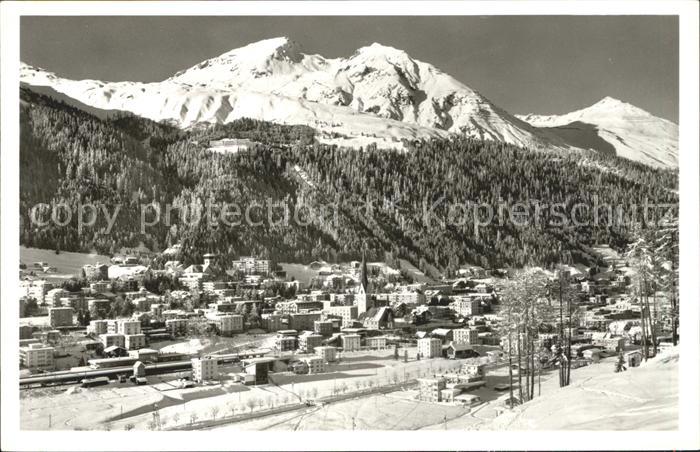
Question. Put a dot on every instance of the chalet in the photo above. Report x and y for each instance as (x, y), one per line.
(460, 351)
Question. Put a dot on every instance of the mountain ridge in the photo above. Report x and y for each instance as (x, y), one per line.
(614, 125)
(131, 161)
(378, 95)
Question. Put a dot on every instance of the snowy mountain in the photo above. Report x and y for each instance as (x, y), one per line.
(616, 127)
(379, 94)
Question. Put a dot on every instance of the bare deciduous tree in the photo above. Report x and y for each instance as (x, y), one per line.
(214, 411)
(250, 403)
(526, 308)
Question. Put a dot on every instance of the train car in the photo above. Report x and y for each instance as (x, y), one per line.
(90, 382)
(105, 363)
(226, 358)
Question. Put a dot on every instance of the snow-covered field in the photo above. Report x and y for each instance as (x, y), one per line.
(299, 272)
(97, 407)
(642, 398)
(393, 411)
(67, 264)
(217, 344)
(598, 399)
(71, 407)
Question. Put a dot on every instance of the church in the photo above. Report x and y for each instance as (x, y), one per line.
(363, 299)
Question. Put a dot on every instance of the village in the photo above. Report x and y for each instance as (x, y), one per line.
(222, 343)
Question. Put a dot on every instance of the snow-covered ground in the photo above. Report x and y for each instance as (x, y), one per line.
(190, 347)
(642, 398)
(98, 407)
(67, 264)
(218, 344)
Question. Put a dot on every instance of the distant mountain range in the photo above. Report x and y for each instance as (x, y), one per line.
(378, 95)
(618, 128)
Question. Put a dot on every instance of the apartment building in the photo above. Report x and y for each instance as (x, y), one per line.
(134, 341)
(346, 313)
(286, 343)
(465, 336)
(111, 339)
(128, 327)
(204, 369)
(316, 365)
(36, 289)
(430, 389)
(350, 342)
(303, 320)
(60, 317)
(251, 265)
(97, 327)
(37, 357)
(53, 297)
(100, 287)
(467, 307)
(327, 354)
(429, 347)
(272, 322)
(323, 327)
(229, 323)
(176, 327)
(406, 297)
(309, 341)
(376, 343)
(294, 306)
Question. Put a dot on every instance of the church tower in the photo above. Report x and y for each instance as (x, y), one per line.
(362, 297)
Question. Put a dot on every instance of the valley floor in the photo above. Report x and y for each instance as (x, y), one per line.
(643, 398)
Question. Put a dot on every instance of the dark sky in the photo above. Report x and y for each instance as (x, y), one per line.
(538, 64)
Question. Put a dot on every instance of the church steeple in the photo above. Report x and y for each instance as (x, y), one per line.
(364, 281)
(363, 300)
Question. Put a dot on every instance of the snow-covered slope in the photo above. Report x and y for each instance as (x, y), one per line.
(379, 94)
(643, 398)
(618, 127)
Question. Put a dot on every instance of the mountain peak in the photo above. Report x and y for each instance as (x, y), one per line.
(257, 59)
(379, 94)
(609, 100)
(377, 49)
(611, 104)
(281, 47)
